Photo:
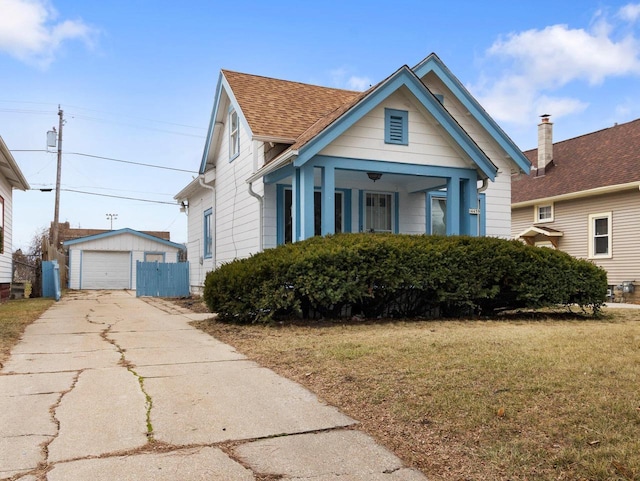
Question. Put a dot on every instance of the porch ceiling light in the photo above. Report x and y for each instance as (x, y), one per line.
(374, 175)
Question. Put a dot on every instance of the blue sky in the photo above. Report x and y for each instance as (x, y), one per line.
(136, 80)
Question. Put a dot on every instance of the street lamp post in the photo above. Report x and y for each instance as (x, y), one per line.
(111, 217)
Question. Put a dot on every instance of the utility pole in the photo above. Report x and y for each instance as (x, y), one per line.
(111, 217)
(56, 212)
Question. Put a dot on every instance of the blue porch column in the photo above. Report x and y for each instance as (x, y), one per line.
(469, 205)
(453, 205)
(306, 217)
(328, 207)
(295, 206)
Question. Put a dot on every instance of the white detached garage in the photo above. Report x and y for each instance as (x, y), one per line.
(108, 260)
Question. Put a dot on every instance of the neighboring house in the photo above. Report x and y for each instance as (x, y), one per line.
(66, 232)
(10, 178)
(583, 198)
(284, 161)
(108, 260)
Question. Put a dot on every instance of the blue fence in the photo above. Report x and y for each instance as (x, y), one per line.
(51, 279)
(162, 279)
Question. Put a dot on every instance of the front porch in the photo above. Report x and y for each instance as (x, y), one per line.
(328, 195)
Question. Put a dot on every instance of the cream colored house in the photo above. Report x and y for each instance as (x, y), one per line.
(284, 161)
(583, 197)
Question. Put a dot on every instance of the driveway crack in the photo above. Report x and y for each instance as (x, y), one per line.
(124, 362)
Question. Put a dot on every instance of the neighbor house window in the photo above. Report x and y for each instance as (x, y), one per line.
(208, 237)
(544, 213)
(396, 126)
(600, 235)
(378, 212)
(1, 225)
(234, 135)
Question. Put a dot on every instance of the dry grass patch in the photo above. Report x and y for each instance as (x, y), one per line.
(475, 400)
(15, 316)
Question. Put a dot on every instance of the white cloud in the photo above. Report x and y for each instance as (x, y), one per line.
(342, 78)
(630, 12)
(533, 64)
(30, 33)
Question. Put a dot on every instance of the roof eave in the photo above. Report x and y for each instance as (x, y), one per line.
(21, 182)
(609, 189)
(434, 64)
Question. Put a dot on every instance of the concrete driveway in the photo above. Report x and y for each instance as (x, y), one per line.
(105, 386)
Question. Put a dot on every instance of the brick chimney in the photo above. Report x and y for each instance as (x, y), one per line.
(545, 143)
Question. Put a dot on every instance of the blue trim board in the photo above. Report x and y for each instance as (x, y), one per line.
(214, 112)
(384, 167)
(361, 210)
(396, 220)
(222, 85)
(433, 64)
(403, 77)
(207, 254)
(113, 233)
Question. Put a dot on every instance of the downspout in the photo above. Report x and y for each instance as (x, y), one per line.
(252, 193)
(215, 217)
(483, 187)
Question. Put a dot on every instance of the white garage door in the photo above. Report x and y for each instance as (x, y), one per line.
(106, 270)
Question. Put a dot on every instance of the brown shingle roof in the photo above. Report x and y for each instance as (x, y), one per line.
(600, 159)
(280, 108)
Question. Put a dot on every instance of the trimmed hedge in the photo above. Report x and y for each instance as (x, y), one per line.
(395, 275)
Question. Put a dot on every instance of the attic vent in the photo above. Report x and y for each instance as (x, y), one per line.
(396, 126)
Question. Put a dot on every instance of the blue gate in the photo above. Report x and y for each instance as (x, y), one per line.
(51, 279)
(162, 279)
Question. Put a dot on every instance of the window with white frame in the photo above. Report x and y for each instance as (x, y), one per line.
(378, 212)
(544, 213)
(208, 237)
(234, 134)
(600, 238)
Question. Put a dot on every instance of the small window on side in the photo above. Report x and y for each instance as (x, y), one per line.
(544, 213)
(234, 135)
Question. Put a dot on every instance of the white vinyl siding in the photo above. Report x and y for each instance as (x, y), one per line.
(428, 146)
(6, 255)
(236, 217)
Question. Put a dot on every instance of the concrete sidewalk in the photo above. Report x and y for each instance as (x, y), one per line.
(105, 386)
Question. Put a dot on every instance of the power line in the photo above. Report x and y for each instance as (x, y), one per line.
(120, 197)
(131, 162)
(155, 166)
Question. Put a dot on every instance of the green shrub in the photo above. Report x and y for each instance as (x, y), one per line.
(376, 275)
